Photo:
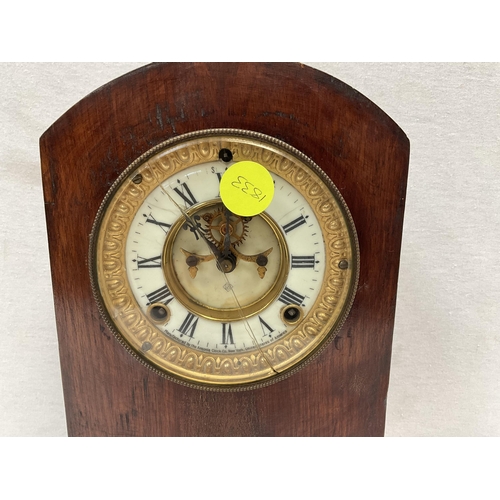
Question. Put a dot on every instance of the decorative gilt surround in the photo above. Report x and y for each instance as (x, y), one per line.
(164, 354)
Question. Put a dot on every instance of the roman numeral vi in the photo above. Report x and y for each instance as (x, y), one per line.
(227, 333)
(189, 324)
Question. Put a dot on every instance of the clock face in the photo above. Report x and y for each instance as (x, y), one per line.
(214, 299)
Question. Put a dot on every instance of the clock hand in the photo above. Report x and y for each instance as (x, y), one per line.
(225, 263)
(227, 235)
(213, 248)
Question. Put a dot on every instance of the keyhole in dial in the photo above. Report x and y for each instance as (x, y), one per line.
(291, 314)
(159, 313)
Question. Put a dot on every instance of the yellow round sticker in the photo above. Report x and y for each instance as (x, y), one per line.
(246, 188)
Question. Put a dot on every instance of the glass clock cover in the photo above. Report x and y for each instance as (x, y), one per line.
(210, 298)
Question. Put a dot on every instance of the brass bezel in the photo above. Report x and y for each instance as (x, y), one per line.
(232, 371)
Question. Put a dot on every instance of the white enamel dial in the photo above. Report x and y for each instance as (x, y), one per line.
(305, 263)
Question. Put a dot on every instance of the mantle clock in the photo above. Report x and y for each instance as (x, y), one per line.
(224, 242)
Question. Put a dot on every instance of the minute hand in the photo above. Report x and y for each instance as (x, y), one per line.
(213, 248)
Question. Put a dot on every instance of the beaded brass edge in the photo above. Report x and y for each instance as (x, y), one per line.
(176, 361)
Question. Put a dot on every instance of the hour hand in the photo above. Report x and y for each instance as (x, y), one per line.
(192, 260)
(194, 227)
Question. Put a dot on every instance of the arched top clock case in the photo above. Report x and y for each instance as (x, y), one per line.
(342, 389)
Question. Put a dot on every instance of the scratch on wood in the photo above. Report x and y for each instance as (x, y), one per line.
(104, 331)
(338, 342)
(158, 116)
(280, 114)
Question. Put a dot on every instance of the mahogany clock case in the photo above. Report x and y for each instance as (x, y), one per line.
(343, 391)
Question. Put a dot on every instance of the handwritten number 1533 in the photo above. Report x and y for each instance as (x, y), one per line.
(248, 188)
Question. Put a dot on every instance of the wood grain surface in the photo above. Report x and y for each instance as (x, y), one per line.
(341, 393)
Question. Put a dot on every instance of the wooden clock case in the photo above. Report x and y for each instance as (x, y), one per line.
(340, 393)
